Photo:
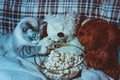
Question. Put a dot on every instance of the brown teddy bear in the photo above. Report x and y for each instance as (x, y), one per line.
(101, 41)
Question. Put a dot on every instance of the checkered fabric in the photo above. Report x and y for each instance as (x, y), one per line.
(11, 11)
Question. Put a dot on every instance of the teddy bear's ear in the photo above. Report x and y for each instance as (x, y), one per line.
(48, 16)
(79, 19)
(75, 16)
(115, 27)
(71, 14)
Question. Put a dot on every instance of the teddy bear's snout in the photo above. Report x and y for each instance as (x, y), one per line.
(60, 34)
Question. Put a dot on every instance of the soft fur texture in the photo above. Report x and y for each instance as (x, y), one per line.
(101, 41)
(63, 24)
(61, 28)
(23, 40)
(28, 32)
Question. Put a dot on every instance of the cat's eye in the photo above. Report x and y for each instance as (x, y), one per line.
(32, 38)
(25, 29)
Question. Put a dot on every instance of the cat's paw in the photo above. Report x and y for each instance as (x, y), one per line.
(35, 49)
(27, 51)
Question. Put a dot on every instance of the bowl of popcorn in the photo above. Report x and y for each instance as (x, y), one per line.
(62, 63)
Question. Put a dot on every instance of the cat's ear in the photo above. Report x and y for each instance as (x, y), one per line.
(43, 28)
(42, 23)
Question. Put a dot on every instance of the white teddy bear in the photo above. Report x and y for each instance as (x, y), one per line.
(61, 28)
(61, 31)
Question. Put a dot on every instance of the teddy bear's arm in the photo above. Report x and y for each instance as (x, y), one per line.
(97, 59)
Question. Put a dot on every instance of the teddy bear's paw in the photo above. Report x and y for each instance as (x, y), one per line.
(97, 59)
(93, 62)
(115, 72)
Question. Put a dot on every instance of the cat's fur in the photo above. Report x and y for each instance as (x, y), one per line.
(28, 32)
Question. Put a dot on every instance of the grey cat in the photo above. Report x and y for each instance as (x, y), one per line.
(24, 39)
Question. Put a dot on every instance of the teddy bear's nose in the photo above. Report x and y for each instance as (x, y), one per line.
(60, 34)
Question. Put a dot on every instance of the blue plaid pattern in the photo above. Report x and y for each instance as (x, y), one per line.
(11, 11)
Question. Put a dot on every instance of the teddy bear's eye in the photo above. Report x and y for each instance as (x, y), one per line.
(81, 33)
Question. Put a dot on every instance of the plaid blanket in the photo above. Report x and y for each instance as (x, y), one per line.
(11, 11)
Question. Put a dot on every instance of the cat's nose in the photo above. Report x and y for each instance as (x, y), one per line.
(60, 34)
(32, 37)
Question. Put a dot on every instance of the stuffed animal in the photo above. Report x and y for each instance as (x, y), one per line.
(101, 41)
(61, 30)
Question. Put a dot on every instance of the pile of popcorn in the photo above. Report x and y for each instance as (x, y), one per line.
(62, 65)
